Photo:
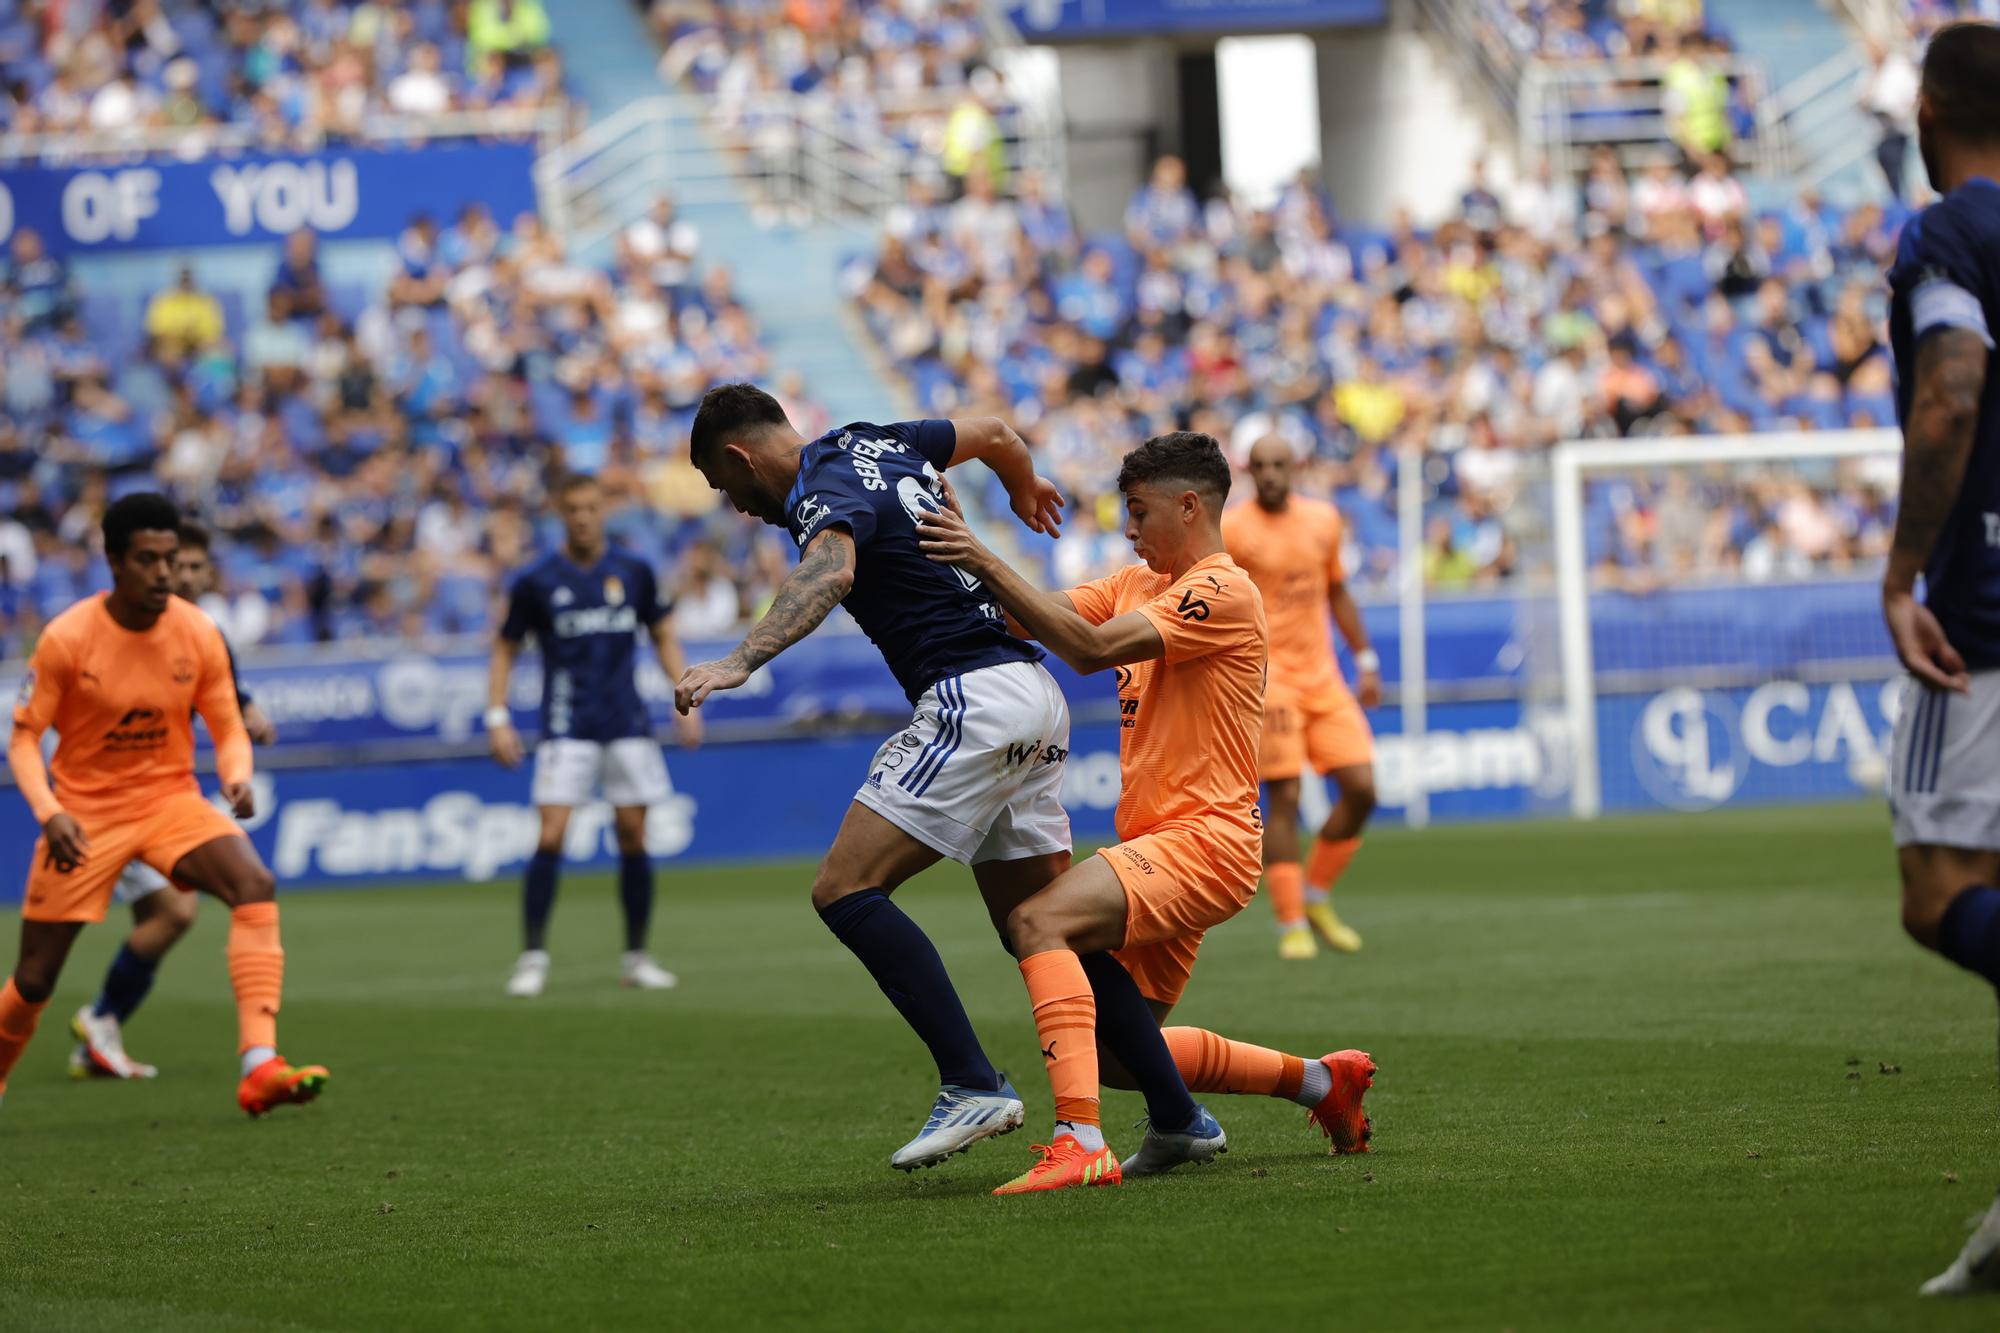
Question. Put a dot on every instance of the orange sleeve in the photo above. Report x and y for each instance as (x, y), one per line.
(1097, 600)
(1204, 613)
(34, 712)
(217, 704)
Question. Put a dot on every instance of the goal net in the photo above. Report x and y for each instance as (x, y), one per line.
(1719, 630)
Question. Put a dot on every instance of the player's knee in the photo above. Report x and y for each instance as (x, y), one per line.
(1923, 913)
(830, 886)
(1358, 792)
(1034, 928)
(34, 981)
(254, 884)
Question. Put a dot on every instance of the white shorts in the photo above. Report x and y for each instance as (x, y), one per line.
(138, 881)
(977, 774)
(630, 771)
(1944, 766)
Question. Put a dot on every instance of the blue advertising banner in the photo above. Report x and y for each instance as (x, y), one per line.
(469, 819)
(343, 194)
(1106, 18)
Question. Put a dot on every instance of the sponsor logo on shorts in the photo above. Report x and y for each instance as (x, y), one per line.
(1136, 858)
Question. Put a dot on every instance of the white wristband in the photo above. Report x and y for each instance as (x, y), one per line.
(497, 718)
(1367, 661)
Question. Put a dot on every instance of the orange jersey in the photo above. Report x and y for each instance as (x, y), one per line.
(1190, 720)
(1294, 558)
(122, 703)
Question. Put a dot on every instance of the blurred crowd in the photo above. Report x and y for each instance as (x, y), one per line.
(291, 76)
(373, 466)
(907, 74)
(1619, 306)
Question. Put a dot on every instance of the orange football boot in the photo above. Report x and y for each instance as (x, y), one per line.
(1339, 1115)
(277, 1082)
(1065, 1163)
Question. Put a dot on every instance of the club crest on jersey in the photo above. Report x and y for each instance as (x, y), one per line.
(614, 590)
(183, 669)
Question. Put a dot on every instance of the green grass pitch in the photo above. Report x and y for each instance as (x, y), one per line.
(1669, 1073)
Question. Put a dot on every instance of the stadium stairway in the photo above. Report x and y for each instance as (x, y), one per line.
(1805, 44)
(788, 276)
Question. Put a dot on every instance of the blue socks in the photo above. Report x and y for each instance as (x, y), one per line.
(125, 984)
(1969, 935)
(635, 894)
(906, 966)
(1126, 1028)
(538, 897)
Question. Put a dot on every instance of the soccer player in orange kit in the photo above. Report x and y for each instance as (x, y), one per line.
(120, 676)
(1290, 545)
(1106, 948)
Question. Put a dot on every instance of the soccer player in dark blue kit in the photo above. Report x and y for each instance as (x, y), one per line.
(976, 775)
(1944, 778)
(584, 606)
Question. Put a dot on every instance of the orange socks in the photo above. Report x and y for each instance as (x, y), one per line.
(1066, 1021)
(1329, 859)
(1209, 1063)
(1288, 892)
(17, 1026)
(256, 973)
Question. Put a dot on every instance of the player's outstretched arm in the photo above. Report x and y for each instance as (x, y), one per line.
(1086, 647)
(1036, 500)
(1950, 376)
(808, 594)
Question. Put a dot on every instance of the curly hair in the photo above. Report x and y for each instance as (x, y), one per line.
(142, 511)
(1187, 458)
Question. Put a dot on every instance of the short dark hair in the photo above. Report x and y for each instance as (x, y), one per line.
(728, 410)
(1962, 80)
(574, 481)
(194, 534)
(141, 511)
(1189, 457)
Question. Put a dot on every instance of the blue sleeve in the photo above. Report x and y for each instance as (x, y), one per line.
(646, 595)
(831, 495)
(935, 439)
(523, 611)
(243, 699)
(1940, 268)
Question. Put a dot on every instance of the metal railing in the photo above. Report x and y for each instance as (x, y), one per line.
(1566, 110)
(796, 157)
(545, 125)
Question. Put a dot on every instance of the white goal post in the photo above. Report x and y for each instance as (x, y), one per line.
(1573, 466)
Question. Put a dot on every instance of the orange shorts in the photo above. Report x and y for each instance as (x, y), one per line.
(1179, 880)
(1325, 728)
(160, 833)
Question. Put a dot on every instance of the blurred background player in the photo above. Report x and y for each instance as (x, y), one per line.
(1106, 950)
(1944, 788)
(120, 677)
(977, 774)
(1289, 544)
(584, 605)
(161, 914)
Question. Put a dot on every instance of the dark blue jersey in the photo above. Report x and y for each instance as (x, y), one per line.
(1947, 275)
(586, 622)
(930, 620)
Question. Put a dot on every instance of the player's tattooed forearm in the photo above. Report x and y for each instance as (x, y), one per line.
(824, 575)
(1937, 441)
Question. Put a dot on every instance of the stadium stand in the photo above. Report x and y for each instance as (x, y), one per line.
(1656, 305)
